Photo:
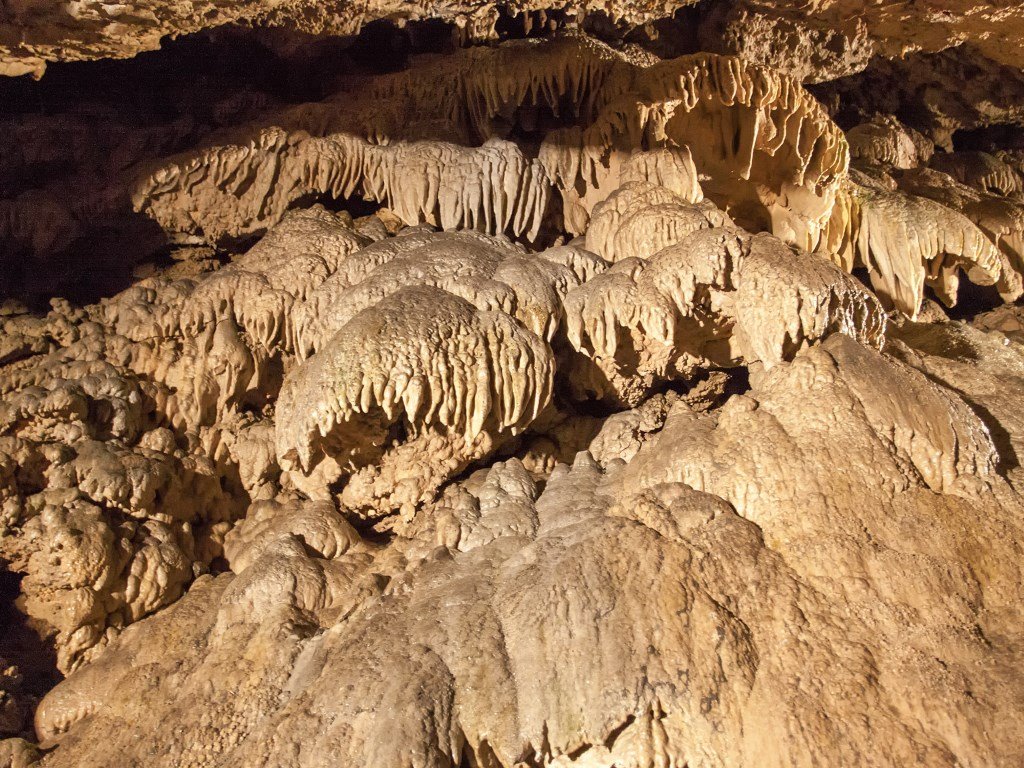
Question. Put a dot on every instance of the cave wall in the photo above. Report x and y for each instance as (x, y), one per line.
(511, 384)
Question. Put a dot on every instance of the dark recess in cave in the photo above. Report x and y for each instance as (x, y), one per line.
(989, 138)
(973, 299)
(353, 206)
(23, 647)
(174, 97)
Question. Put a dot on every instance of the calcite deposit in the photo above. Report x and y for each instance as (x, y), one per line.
(508, 385)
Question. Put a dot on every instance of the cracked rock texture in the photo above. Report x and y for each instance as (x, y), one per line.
(511, 385)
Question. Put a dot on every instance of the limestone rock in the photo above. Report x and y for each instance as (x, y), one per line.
(512, 385)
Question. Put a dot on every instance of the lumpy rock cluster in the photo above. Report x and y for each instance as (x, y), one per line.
(508, 385)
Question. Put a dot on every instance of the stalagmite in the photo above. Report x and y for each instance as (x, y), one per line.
(454, 379)
(1000, 218)
(641, 218)
(717, 298)
(888, 143)
(907, 242)
(489, 273)
(109, 508)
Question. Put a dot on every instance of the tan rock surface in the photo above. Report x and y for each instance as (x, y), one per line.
(582, 399)
(541, 642)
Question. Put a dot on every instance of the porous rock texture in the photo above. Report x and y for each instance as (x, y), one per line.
(512, 385)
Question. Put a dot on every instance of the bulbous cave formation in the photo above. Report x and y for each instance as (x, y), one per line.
(517, 384)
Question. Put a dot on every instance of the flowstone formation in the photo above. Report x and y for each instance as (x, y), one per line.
(602, 397)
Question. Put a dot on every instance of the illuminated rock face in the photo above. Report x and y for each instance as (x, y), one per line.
(579, 400)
